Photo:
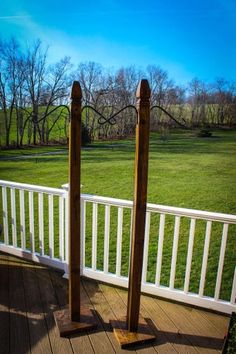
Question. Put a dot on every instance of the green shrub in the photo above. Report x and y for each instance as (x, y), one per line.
(86, 138)
(205, 133)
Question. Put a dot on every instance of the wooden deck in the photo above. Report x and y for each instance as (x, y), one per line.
(29, 293)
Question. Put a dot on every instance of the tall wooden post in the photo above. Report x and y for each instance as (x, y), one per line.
(74, 202)
(77, 318)
(140, 200)
(136, 330)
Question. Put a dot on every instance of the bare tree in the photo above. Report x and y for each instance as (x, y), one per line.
(47, 86)
(90, 76)
(55, 92)
(160, 84)
(11, 81)
(224, 98)
(198, 98)
(35, 68)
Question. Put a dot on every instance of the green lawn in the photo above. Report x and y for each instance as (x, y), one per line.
(57, 133)
(184, 171)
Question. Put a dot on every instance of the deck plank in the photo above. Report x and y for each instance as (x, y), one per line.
(29, 293)
(80, 342)
(19, 330)
(220, 322)
(202, 336)
(95, 296)
(4, 305)
(109, 310)
(50, 304)
(118, 310)
(39, 340)
(165, 326)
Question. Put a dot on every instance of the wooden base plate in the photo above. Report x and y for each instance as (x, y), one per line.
(67, 327)
(128, 339)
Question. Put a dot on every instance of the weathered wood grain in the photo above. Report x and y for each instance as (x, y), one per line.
(39, 341)
(79, 342)
(19, 332)
(30, 293)
(74, 202)
(4, 305)
(140, 200)
(50, 304)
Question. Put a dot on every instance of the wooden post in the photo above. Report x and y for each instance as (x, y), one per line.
(136, 330)
(74, 202)
(76, 319)
(140, 200)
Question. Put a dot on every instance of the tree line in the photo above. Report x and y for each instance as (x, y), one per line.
(34, 97)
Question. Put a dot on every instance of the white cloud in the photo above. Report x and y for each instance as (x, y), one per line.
(14, 17)
(92, 48)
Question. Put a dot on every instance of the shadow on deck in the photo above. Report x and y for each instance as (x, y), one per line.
(29, 293)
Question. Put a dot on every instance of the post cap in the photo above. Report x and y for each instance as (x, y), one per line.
(76, 92)
(143, 90)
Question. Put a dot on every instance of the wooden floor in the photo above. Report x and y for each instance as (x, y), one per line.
(29, 293)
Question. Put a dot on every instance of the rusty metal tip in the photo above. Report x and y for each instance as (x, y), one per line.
(76, 91)
(143, 89)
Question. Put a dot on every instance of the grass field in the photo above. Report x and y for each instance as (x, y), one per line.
(184, 171)
(57, 133)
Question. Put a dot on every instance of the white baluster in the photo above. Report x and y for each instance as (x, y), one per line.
(119, 241)
(67, 228)
(160, 249)
(130, 236)
(13, 217)
(205, 258)
(41, 223)
(83, 234)
(94, 236)
(221, 261)
(106, 239)
(174, 252)
(51, 225)
(5, 215)
(189, 255)
(61, 228)
(233, 292)
(146, 247)
(22, 218)
(31, 221)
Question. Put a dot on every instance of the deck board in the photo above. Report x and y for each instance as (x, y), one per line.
(39, 342)
(29, 293)
(80, 343)
(19, 329)
(4, 305)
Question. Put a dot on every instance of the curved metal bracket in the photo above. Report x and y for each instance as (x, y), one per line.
(169, 115)
(111, 120)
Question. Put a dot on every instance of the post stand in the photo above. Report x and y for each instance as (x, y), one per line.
(135, 330)
(76, 318)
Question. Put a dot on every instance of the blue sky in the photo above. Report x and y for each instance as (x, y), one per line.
(186, 38)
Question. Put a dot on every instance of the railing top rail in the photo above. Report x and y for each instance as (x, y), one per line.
(191, 213)
(184, 212)
(32, 187)
(107, 200)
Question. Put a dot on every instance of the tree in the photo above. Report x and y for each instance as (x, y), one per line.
(46, 86)
(55, 93)
(35, 68)
(165, 94)
(90, 76)
(224, 96)
(11, 83)
(198, 98)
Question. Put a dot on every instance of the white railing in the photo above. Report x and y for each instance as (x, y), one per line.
(29, 226)
(189, 255)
